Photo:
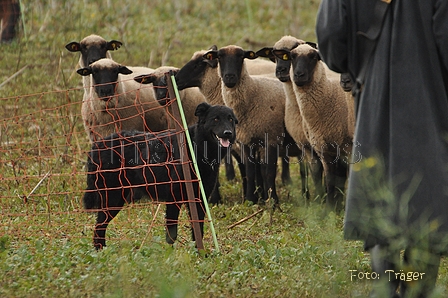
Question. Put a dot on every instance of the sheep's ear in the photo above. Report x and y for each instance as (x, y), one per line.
(73, 46)
(114, 45)
(266, 53)
(202, 109)
(84, 71)
(213, 63)
(173, 72)
(312, 44)
(250, 55)
(124, 70)
(211, 55)
(213, 48)
(282, 54)
(145, 79)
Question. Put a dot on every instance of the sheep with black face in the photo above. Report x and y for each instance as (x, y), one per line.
(259, 104)
(325, 111)
(190, 97)
(116, 102)
(293, 117)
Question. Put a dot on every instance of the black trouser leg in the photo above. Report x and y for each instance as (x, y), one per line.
(385, 262)
(421, 268)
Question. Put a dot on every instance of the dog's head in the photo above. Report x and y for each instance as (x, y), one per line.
(217, 123)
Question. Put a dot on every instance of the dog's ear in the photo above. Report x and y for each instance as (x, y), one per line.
(202, 109)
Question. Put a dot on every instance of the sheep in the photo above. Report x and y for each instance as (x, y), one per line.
(92, 48)
(190, 97)
(293, 118)
(259, 103)
(203, 73)
(116, 102)
(325, 110)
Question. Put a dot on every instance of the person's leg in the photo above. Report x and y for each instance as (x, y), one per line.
(385, 262)
(421, 267)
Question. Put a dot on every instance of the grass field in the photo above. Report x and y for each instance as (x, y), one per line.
(45, 237)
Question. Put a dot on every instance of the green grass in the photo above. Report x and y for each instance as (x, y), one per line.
(45, 237)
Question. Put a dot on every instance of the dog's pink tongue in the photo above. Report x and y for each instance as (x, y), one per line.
(224, 142)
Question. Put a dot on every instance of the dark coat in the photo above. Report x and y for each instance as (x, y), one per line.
(398, 184)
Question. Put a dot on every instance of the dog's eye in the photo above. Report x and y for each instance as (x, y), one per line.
(216, 119)
(230, 119)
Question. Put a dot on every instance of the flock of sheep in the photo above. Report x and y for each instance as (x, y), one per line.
(289, 105)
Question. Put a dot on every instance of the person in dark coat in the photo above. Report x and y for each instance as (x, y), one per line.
(397, 196)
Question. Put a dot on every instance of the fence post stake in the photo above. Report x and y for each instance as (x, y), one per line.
(180, 118)
(179, 115)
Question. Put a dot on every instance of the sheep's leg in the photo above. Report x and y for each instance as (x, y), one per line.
(171, 221)
(304, 180)
(250, 166)
(111, 204)
(259, 183)
(286, 175)
(341, 179)
(242, 168)
(269, 172)
(317, 169)
(330, 169)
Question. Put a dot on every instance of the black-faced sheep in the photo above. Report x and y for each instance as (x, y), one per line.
(116, 102)
(128, 166)
(259, 104)
(293, 117)
(325, 112)
(190, 97)
(92, 48)
(203, 73)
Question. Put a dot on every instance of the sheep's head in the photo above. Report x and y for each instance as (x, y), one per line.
(158, 79)
(346, 82)
(230, 60)
(105, 76)
(193, 72)
(303, 59)
(283, 65)
(93, 48)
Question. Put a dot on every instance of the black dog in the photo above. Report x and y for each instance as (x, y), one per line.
(124, 167)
